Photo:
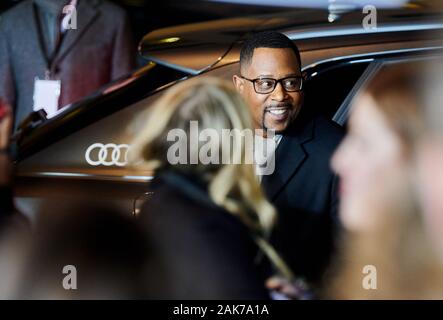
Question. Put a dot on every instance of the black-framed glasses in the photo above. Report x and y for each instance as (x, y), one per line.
(268, 85)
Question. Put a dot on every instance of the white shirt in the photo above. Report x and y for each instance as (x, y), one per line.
(264, 154)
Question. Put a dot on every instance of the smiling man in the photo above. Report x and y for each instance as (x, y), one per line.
(271, 82)
(302, 187)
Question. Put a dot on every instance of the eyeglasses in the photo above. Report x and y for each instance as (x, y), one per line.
(268, 85)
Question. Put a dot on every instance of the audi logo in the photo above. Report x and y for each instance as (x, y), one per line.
(109, 154)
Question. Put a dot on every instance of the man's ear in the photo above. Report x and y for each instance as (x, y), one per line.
(238, 83)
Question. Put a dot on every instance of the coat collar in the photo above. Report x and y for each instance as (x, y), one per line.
(54, 7)
(190, 184)
(290, 154)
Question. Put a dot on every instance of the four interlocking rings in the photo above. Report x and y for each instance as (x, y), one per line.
(102, 158)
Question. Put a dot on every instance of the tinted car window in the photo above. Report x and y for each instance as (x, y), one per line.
(326, 88)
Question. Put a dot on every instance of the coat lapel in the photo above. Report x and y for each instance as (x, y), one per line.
(86, 14)
(34, 40)
(289, 157)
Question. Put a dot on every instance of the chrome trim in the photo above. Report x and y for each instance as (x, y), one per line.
(346, 31)
(362, 60)
(342, 112)
(88, 176)
(143, 178)
(164, 63)
(362, 55)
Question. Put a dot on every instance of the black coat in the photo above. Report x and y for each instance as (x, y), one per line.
(201, 250)
(304, 190)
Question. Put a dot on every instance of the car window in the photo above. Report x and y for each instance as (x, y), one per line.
(371, 72)
(326, 88)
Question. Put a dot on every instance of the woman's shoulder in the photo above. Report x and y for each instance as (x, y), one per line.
(210, 253)
(183, 202)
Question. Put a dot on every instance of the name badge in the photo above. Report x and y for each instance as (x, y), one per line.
(47, 95)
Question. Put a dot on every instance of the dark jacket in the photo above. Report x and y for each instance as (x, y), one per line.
(203, 252)
(304, 191)
(92, 55)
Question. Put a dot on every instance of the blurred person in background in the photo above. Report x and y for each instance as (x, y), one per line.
(51, 55)
(430, 155)
(105, 246)
(379, 205)
(209, 222)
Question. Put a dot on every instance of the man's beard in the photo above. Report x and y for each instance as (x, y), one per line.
(293, 112)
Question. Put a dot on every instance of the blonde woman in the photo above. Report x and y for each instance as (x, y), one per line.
(207, 220)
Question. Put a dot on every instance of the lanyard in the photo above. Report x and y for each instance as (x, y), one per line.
(49, 59)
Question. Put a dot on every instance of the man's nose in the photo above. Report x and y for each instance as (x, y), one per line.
(279, 93)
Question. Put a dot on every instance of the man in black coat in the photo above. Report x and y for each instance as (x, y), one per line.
(302, 186)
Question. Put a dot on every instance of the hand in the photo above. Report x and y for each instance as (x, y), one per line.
(295, 290)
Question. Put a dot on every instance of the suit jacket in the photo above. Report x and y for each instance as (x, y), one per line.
(97, 52)
(304, 191)
(203, 252)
